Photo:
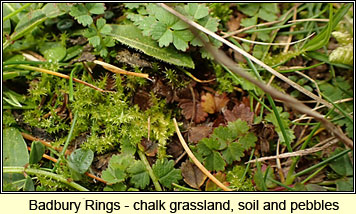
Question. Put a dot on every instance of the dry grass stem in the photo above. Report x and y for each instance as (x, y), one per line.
(327, 143)
(196, 161)
(117, 70)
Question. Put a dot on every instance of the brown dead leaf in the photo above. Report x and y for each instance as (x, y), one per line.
(142, 99)
(212, 104)
(234, 22)
(163, 90)
(221, 101)
(211, 186)
(195, 134)
(175, 148)
(192, 175)
(208, 103)
(187, 110)
(239, 112)
(150, 148)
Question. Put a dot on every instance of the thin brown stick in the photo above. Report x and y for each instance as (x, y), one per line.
(55, 161)
(117, 70)
(291, 30)
(221, 57)
(42, 70)
(250, 27)
(196, 161)
(300, 152)
(45, 143)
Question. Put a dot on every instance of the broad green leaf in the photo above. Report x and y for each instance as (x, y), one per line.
(28, 186)
(258, 178)
(324, 58)
(343, 54)
(345, 184)
(28, 23)
(246, 22)
(6, 25)
(214, 161)
(95, 8)
(53, 51)
(52, 10)
(196, 10)
(323, 37)
(130, 35)
(139, 175)
(37, 150)
(14, 154)
(9, 8)
(342, 165)
(249, 9)
(166, 173)
(80, 160)
(266, 15)
(315, 188)
(132, 5)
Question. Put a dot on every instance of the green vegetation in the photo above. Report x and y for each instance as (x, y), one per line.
(90, 91)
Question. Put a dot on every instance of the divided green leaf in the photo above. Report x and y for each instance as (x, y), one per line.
(166, 173)
(130, 35)
(167, 29)
(226, 145)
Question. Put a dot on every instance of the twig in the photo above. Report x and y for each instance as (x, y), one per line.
(221, 57)
(298, 153)
(196, 161)
(291, 30)
(250, 27)
(267, 43)
(26, 67)
(117, 70)
(45, 143)
(309, 20)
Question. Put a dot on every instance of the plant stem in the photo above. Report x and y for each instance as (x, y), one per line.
(16, 12)
(184, 188)
(61, 157)
(282, 185)
(149, 169)
(21, 170)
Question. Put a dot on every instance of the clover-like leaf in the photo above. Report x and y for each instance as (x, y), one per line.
(80, 160)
